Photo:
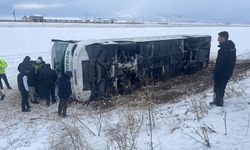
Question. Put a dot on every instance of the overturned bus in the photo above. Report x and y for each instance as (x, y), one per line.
(102, 68)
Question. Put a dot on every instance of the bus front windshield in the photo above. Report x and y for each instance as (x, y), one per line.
(58, 52)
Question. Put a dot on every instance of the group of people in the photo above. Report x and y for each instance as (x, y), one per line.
(36, 79)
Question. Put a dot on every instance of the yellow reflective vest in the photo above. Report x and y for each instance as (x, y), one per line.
(3, 65)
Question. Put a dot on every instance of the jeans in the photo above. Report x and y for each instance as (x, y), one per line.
(49, 93)
(219, 89)
(62, 108)
(32, 94)
(25, 103)
(1, 94)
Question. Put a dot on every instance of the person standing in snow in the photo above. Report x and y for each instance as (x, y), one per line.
(3, 76)
(224, 67)
(1, 96)
(64, 92)
(24, 89)
(48, 78)
(32, 82)
(38, 69)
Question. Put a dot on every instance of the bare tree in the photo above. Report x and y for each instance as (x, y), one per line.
(150, 126)
(124, 134)
(201, 134)
(199, 107)
(69, 135)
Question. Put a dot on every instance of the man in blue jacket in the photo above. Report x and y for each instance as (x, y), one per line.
(48, 78)
(224, 66)
(64, 92)
(22, 81)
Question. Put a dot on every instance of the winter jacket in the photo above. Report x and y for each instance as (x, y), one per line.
(22, 83)
(32, 79)
(64, 87)
(3, 65)
(25, 65)
(225, 61)
(39, 67)
(48, 77)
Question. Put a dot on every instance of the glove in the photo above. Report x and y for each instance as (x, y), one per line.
(213, 76)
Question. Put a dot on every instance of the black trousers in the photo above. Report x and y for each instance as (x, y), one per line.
(219, 89)
(25, 103)
(49, 93)
(4, 77)
(39, 91)
(62, 108)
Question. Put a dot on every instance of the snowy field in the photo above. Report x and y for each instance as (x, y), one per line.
(174, 123)
(17, 42)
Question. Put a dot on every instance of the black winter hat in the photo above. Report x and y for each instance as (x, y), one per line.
(26, 59)
(224, 34)
(47, 65)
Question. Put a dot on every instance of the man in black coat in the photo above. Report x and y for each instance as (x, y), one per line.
(64, 92)
(26, 64)
(24, 90)
(48, 78)
(224, 66)
(32, 83)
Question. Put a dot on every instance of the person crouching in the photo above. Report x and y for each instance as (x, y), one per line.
(64, 92)
(24, 89)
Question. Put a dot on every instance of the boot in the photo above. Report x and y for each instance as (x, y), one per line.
(25, 110)
(2, 97)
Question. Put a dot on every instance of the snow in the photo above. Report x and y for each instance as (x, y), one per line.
(18, 42)
(34, 130)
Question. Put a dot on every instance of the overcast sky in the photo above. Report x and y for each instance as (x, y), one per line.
(221, 10)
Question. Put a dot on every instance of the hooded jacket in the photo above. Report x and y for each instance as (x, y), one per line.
(225, 61)
(64, 87)
(25, 65)
(22, 83)
(3, 65)
(48, 78)
(32, 79)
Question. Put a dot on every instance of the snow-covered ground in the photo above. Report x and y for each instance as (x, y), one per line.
(174, 123)
(17, 42)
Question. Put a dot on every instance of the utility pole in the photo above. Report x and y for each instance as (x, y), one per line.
(14, 15)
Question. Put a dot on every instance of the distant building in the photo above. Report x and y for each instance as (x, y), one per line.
(104, 20)
(113, 20)
(39, 18)
(25, 18)
(34, 18)
(63, 19)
